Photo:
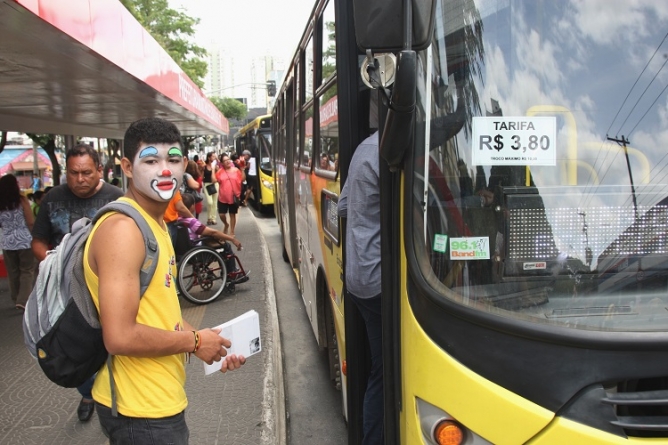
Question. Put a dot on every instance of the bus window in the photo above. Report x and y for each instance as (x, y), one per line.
(329, 130)
(308, 71)
(328, 43)
(296, 128)
(307, 155)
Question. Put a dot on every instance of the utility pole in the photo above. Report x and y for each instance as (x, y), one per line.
(623, 143)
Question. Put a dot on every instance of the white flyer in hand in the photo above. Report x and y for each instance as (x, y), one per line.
(244, 333)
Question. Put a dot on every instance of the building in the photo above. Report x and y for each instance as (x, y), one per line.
(19, 161)
(242, 76)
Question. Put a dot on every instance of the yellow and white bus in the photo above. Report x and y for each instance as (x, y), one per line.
(256, 138)
(524, 220)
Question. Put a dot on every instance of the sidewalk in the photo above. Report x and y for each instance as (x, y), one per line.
(242, 407)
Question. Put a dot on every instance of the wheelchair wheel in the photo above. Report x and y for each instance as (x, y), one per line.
(202, 275)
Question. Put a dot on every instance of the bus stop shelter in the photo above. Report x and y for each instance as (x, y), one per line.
(88, 68)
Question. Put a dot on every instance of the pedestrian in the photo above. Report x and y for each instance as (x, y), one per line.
(82, 194)
(36, 202)
(251, 176)
(229, 193)
(210, 185)
(149, 342)
(36, 182)
(16, 219)
(192, 183)
(359, 202)
(199, 162)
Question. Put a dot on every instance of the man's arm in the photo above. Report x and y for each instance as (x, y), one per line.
(39, 248)
(41, 231)
(117, 267)
(182, 210)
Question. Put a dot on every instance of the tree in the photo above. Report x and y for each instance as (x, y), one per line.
(172, 30)
(48, 143)
(231, 108)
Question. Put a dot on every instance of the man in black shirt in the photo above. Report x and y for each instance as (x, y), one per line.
(82, 195)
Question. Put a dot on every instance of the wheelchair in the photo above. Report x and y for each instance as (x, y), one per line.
(206, 268)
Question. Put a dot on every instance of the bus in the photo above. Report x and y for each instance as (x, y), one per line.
(256, 138)
(524, 213)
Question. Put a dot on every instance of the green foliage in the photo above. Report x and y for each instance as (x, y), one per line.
(231, 108)
(172, 29)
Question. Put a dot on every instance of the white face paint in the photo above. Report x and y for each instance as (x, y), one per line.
(157, 170)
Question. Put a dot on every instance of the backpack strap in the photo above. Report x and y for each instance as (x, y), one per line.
(147, 270)
(150, 243)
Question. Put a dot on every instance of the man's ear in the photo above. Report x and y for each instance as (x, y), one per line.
(126, 166)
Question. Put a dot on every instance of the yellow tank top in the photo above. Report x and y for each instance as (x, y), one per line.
(150, 387)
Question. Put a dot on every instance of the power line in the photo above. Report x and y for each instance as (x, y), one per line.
(634, 84)
(641, 96)
(650, 107)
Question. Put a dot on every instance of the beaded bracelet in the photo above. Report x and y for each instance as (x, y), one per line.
(197, 341)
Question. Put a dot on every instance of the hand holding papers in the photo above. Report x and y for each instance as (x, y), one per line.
(244, 333)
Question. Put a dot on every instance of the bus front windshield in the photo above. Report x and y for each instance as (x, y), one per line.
(264, 151)
(540, 179)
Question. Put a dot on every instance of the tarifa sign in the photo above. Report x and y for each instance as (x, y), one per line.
(520, 140)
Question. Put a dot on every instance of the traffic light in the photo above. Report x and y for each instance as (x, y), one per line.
(271, 88)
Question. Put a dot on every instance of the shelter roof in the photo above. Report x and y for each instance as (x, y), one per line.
(88, 68)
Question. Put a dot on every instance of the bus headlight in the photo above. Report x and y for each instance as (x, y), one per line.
(268, 184)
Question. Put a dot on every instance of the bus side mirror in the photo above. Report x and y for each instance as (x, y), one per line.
(398, 132)
(379, 24)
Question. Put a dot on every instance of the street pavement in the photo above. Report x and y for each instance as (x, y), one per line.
(246, 406)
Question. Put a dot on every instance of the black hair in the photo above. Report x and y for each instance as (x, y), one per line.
(10, 194)
(188, 199)
(151, 130)
(193, 170)
(83, 150)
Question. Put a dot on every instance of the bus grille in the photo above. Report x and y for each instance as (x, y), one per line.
(641, 407)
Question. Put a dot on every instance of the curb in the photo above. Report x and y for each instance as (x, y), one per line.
(274, 386)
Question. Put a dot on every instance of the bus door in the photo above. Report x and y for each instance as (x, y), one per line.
(307, 224)
(286, 175)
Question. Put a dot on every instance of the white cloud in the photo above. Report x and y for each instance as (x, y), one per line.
(251, 26)
(602, 21)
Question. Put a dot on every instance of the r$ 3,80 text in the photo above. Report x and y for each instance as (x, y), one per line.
(518, 143)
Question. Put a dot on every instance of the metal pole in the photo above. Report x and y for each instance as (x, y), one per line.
(628, 165)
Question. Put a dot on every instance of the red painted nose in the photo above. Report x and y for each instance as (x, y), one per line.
(166, 173)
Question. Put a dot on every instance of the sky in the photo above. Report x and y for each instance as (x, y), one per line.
(249, 26)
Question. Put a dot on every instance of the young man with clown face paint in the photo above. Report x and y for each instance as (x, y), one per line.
(148, 338)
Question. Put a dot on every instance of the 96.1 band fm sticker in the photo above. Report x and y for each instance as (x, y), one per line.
(468, 248)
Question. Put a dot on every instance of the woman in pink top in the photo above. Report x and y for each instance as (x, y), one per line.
(229, 185)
